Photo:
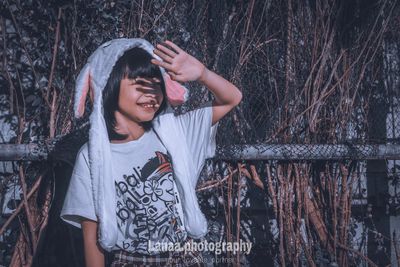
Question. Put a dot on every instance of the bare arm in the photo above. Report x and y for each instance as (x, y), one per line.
(227, 96)
(183, 67)
(94, 256)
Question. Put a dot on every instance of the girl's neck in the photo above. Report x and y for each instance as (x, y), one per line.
(127, 126)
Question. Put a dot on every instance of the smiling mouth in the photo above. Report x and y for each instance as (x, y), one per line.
(149, 107)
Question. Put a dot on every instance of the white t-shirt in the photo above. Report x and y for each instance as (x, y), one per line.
(146, 194)
(145, 185)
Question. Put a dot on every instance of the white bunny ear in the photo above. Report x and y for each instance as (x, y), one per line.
(177, 94)
(81, 90)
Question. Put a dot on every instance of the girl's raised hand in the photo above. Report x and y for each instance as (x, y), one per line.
(181, 66)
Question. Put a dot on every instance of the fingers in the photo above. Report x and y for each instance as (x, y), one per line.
(165, 57)
(168, 54)
(167, 51)
(174, 46)
(165, 65)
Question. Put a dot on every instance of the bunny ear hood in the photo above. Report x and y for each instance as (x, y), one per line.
(95, 73)
(93, 78)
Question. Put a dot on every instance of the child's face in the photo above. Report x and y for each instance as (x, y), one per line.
(140, 98)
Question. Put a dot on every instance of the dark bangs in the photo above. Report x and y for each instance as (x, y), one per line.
(134, 63)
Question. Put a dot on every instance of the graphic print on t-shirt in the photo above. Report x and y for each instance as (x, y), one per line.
(146, 205)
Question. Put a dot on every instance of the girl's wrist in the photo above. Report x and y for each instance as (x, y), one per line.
(203, 75)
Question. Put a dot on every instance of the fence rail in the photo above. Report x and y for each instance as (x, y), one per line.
(36, 152)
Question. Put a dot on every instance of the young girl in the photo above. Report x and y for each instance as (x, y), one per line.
(133, 183)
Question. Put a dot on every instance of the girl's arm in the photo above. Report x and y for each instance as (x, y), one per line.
(94, 256)
(226, 95)
(182, 67)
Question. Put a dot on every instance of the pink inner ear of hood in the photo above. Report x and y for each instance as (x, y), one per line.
(85, 90)
(175, 91)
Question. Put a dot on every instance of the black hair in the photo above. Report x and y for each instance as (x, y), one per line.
(134, 63)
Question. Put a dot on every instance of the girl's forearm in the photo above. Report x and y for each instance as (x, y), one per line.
(225, 92)
(94, 256)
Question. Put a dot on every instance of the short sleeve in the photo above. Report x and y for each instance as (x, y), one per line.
(200, 134)
(78, 202)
